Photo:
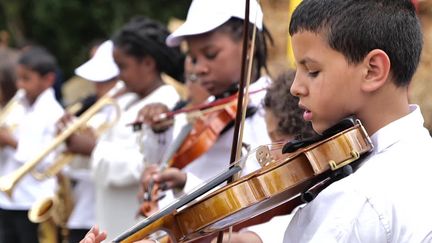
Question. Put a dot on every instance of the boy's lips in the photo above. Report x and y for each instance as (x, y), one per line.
(307, 114)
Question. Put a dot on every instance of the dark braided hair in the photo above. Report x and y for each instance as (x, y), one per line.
(142, 37)
(284, 107)
(234, 26)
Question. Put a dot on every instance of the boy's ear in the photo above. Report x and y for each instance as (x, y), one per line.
(149, 62)
(49, 79)
(377, 65)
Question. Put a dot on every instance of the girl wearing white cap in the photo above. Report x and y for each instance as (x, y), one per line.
(141, 54)
(214, 34)
(102, 71)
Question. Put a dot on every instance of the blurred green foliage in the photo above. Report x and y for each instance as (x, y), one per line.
(68, 27)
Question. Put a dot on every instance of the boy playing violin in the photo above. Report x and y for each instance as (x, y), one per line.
(358, 58)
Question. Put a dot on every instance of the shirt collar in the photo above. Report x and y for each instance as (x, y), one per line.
(398, 129)
(46, 94)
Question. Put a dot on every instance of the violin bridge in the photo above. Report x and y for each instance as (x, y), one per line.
(263, 155)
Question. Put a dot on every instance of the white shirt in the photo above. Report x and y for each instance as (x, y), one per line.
(35, 131)
(387, 199)
(117, 164)
(84, 210)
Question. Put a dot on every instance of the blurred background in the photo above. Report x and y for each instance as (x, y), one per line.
(70, 28)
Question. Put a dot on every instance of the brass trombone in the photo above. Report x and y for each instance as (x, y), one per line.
(8, 182)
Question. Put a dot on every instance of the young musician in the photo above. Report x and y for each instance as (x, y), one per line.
(215, 48)
(36, 128)
(215, 51)
(358, 58)
(141, 55)
(102, 71)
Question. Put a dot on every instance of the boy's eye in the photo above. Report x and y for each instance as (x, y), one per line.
(211, 55)
(313, 74)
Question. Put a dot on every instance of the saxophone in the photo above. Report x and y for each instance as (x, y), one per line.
(52, 213)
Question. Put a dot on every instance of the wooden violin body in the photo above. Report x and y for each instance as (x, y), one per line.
(199, 138)
(277, 182)
(204, 134)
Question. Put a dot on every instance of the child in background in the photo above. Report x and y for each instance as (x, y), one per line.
(35, 75)
(141, 56)
(215, 49)
(103, 73)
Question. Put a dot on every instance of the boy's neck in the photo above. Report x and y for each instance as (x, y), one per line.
(385, 109)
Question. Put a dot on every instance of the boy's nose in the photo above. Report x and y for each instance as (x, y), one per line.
(295, 89)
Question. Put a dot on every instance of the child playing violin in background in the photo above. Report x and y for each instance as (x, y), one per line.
(38, 113)
(358, 58)
(215, 50)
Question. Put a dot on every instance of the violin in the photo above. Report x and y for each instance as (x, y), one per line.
(195, 139)
(206, 129)
(308, 167)
(204, 135)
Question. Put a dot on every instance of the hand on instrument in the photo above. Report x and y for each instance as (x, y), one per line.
(82, 141)
(64, 121)
(94, 236)
(170, 178)
(151, 115)
(167, 179)
(146, 178)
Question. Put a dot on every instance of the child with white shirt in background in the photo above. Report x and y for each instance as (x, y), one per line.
(35, 72)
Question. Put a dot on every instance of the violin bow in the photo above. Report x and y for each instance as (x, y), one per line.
(239, 121)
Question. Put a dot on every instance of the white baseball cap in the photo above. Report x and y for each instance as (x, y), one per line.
(206, 15)
(101, 67)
